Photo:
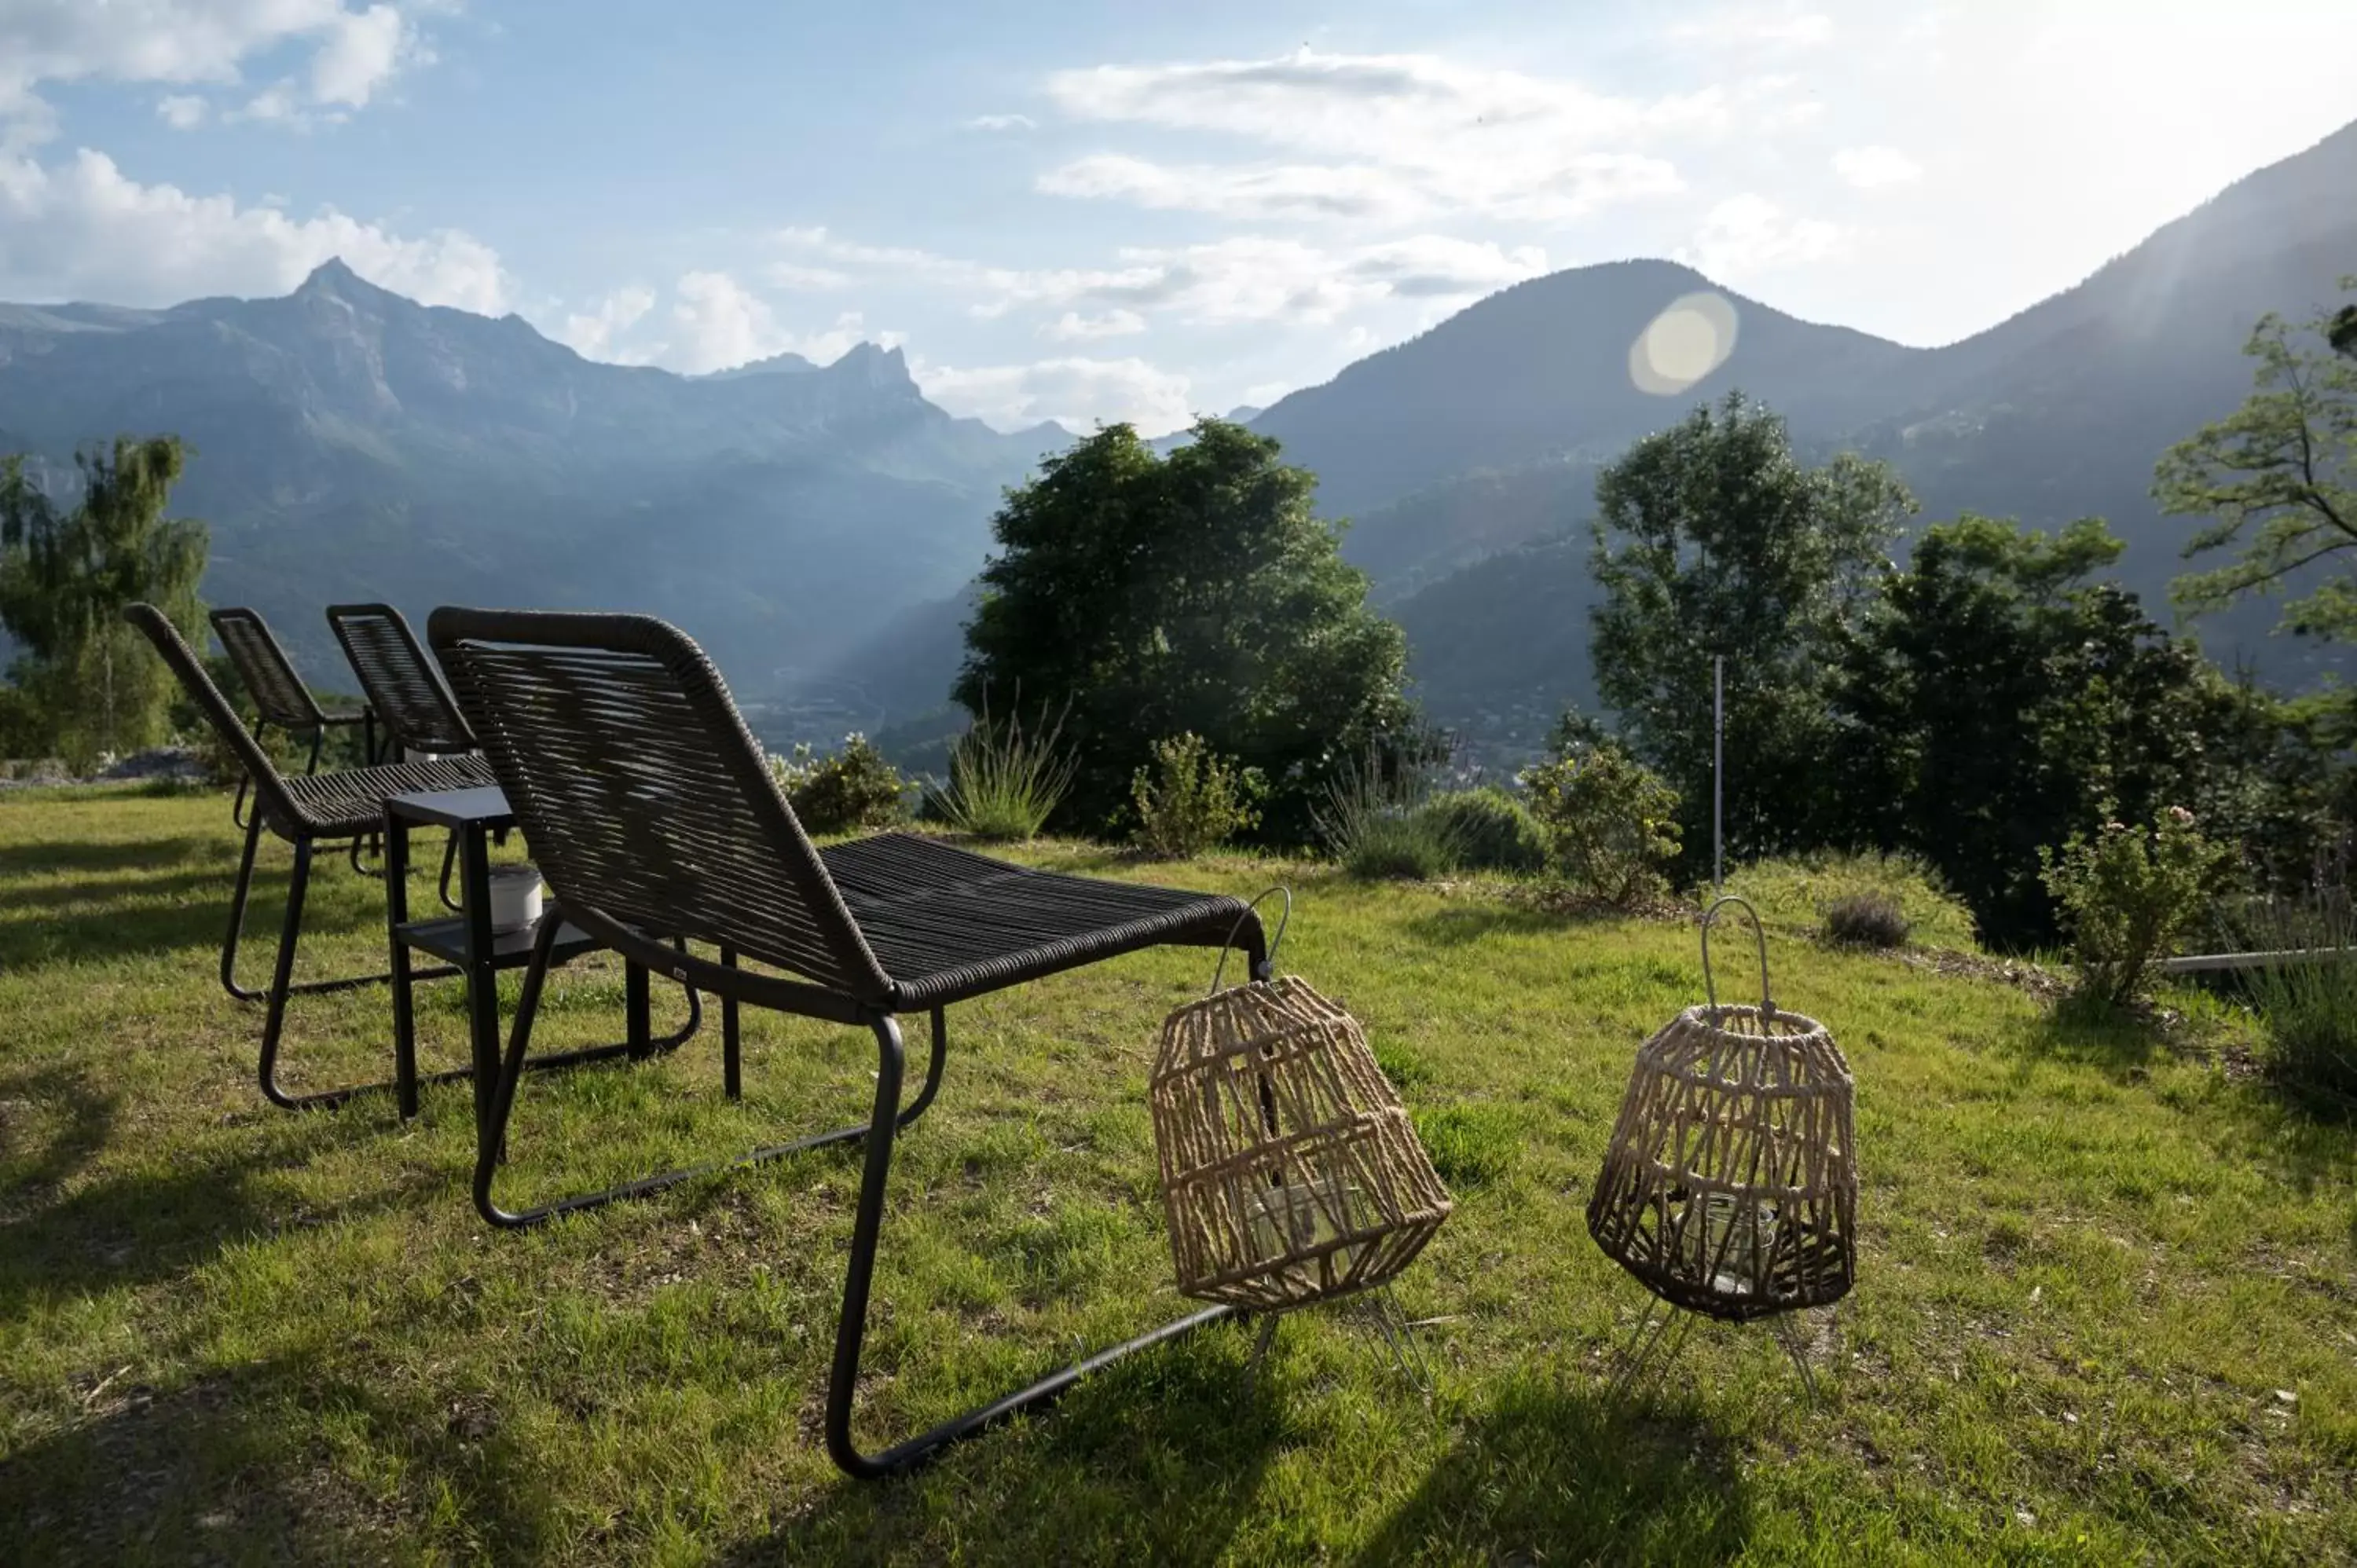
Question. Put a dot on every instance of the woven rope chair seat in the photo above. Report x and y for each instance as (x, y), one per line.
(948, 924)
(337, 805)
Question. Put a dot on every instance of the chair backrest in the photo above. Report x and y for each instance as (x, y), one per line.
(278, 693)
(641, 791)
(268, 787)
(398, 679)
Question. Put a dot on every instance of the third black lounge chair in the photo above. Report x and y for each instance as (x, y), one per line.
(405, 692)
(651, 812)
(279, 695)
(304, 810)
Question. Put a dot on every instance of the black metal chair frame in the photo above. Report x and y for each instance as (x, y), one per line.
(405, 692)
(490, 656)
(279, 695)
(305, 811)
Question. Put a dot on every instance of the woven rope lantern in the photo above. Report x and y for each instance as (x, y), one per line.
(1290, 1172)
(1730, 1184)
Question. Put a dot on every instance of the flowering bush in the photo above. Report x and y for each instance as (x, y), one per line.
(1190, 800)
(1611, 823)
(2128, 893)
(851, 789)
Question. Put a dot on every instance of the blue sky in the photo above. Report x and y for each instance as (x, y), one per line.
(1124, 211)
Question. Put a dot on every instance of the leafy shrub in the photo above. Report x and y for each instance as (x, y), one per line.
(1866, 920)
(1611, 823)
(1006, 781)
(1491, 830)
(1190, 800)
(1370, 819)
(853, 790)
(2128, 893)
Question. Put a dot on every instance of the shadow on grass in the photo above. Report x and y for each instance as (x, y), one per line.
(87, 1116)
(1461, 925)
(1563, 1475)
(145, 1225)
(228, 1467)
(1157, 1458)
(47, 859)
(32, 937)
(2115, 1040)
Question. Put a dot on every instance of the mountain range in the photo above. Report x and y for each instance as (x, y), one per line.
(349, 443)
(818, 527)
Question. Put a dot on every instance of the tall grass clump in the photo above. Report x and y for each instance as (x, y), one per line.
(1005, 781)
(2308, 1011)
(1369, 819)
(1491, 830)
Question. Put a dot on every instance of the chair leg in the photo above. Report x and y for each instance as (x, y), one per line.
(237, 802)
(732, 1043)
(282, 978)
(851, 1327)
(449, 861)
(241, 895)
(237, 902)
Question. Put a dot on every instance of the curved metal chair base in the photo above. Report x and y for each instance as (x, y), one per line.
(851, 1325)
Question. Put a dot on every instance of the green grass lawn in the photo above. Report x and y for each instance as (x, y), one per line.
(2105, 1310)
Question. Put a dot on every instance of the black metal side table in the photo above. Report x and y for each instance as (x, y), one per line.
(466, 941)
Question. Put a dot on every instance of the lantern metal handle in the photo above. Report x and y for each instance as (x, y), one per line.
(1275, 942)
(1710, 988)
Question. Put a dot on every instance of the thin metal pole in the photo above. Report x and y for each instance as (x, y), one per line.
(1717, 773)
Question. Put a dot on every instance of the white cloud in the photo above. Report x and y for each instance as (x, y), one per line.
(181, 110)
(1871, 168)
(80, 230)
(1398, 137)
(718, 324)
(592, 335)
(1748, 234)
(1247, 278)
(1002, 123)
(1749, 26)
(207, 41)
(1071, 391)
(794, 275)
(362, 50)
(1074, 328)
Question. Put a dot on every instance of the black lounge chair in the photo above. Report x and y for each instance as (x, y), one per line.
(652, 814)
(279, 695)
(304, 810)
(405, 692)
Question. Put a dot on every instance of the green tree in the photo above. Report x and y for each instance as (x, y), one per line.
(2279, 477)
(1196, 594)
(1997, 698)
(1712, 540)
(65, 577)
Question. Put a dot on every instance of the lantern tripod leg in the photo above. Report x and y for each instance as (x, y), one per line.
(1261, 1342)
(1639, 1358)
(1788, 1335)
(1392, 1325)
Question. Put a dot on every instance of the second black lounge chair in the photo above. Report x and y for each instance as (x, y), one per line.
(654, 815)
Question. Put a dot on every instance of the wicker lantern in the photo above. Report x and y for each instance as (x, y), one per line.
(1290, 1172)
(1730, 1184)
